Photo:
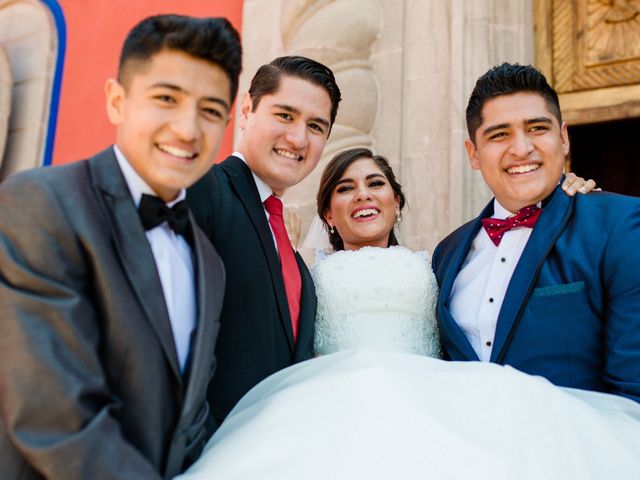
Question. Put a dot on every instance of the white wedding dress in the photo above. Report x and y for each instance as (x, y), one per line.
(378, 404)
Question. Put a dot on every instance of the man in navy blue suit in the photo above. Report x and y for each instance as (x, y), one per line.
(544, 282)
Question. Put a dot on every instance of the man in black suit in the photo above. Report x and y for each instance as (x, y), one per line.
(269, 305)
(110, 295)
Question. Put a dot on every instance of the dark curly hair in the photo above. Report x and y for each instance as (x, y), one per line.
(507, 79)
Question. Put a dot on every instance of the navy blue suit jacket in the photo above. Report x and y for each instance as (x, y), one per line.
(572, 308)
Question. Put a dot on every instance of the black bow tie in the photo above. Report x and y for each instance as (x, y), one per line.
(153, 211)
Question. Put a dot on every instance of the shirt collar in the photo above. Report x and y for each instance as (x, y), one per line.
(499, 211)
(502, 213)
(264, 190)
(137, 185)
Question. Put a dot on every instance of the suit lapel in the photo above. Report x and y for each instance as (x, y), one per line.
(244, 185)
(308, 305)
(549, 227)
(460, 249)
(210, 290)
(133, 248)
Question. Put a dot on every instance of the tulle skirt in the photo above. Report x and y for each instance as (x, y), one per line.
(367, 414)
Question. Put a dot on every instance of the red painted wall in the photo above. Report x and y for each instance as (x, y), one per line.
(95, 32)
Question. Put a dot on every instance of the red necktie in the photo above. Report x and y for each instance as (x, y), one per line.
(290, 271)
(496, 228)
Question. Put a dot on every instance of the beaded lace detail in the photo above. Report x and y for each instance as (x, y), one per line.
(378, 298)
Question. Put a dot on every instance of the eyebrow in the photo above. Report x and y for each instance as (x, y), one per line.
(538, 120)
(528, 121)
(291, 109)
(176, 88)
(368, 177)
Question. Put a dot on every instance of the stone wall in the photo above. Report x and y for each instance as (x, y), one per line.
(406, 68)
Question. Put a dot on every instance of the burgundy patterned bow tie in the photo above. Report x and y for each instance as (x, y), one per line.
(496, 228)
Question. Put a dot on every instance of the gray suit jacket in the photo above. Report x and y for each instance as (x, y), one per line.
(90, 386)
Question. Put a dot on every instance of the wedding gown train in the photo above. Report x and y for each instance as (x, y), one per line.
(378, 404)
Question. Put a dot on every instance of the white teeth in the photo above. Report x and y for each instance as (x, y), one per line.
(290, 155)
(177, 152)
(523, 168)
(365, 213)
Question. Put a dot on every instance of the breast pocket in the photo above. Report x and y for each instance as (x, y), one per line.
(561, 289)
(561, 304)
(567, 329)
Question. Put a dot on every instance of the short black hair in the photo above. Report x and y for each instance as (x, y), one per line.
(213, 40)
(332, 175)
(507, 79)
(266, 81)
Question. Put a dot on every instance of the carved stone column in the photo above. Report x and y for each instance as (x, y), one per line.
(340, 34)
(6, 83)
(27, 26)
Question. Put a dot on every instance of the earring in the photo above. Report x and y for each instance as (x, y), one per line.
(397, 218)
(332, 230)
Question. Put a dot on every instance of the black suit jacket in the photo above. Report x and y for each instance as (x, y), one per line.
(256, 337)
(90, 386)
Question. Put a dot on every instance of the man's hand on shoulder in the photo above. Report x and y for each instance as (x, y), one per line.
(292, 224)
(573, 184)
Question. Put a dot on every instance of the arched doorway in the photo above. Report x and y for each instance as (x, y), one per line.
(608, 152)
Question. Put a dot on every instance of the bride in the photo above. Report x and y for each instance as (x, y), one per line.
(379, 403)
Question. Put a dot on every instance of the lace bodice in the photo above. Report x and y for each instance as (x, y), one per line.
(379, 298)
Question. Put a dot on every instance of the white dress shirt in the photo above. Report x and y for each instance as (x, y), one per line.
(479, 289)
(174, 262)
(264, 191)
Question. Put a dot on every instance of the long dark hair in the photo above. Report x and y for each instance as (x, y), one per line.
(333, 173)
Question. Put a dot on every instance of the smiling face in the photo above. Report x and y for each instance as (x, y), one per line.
(170, 119)
(520, 149)
(283, 137)
(363, 206)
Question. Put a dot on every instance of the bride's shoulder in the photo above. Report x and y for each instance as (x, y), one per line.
(400, 251)
(424, 256)
(370, 254)
(418, 257)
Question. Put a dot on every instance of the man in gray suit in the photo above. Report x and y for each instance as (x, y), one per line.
(108, 313)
